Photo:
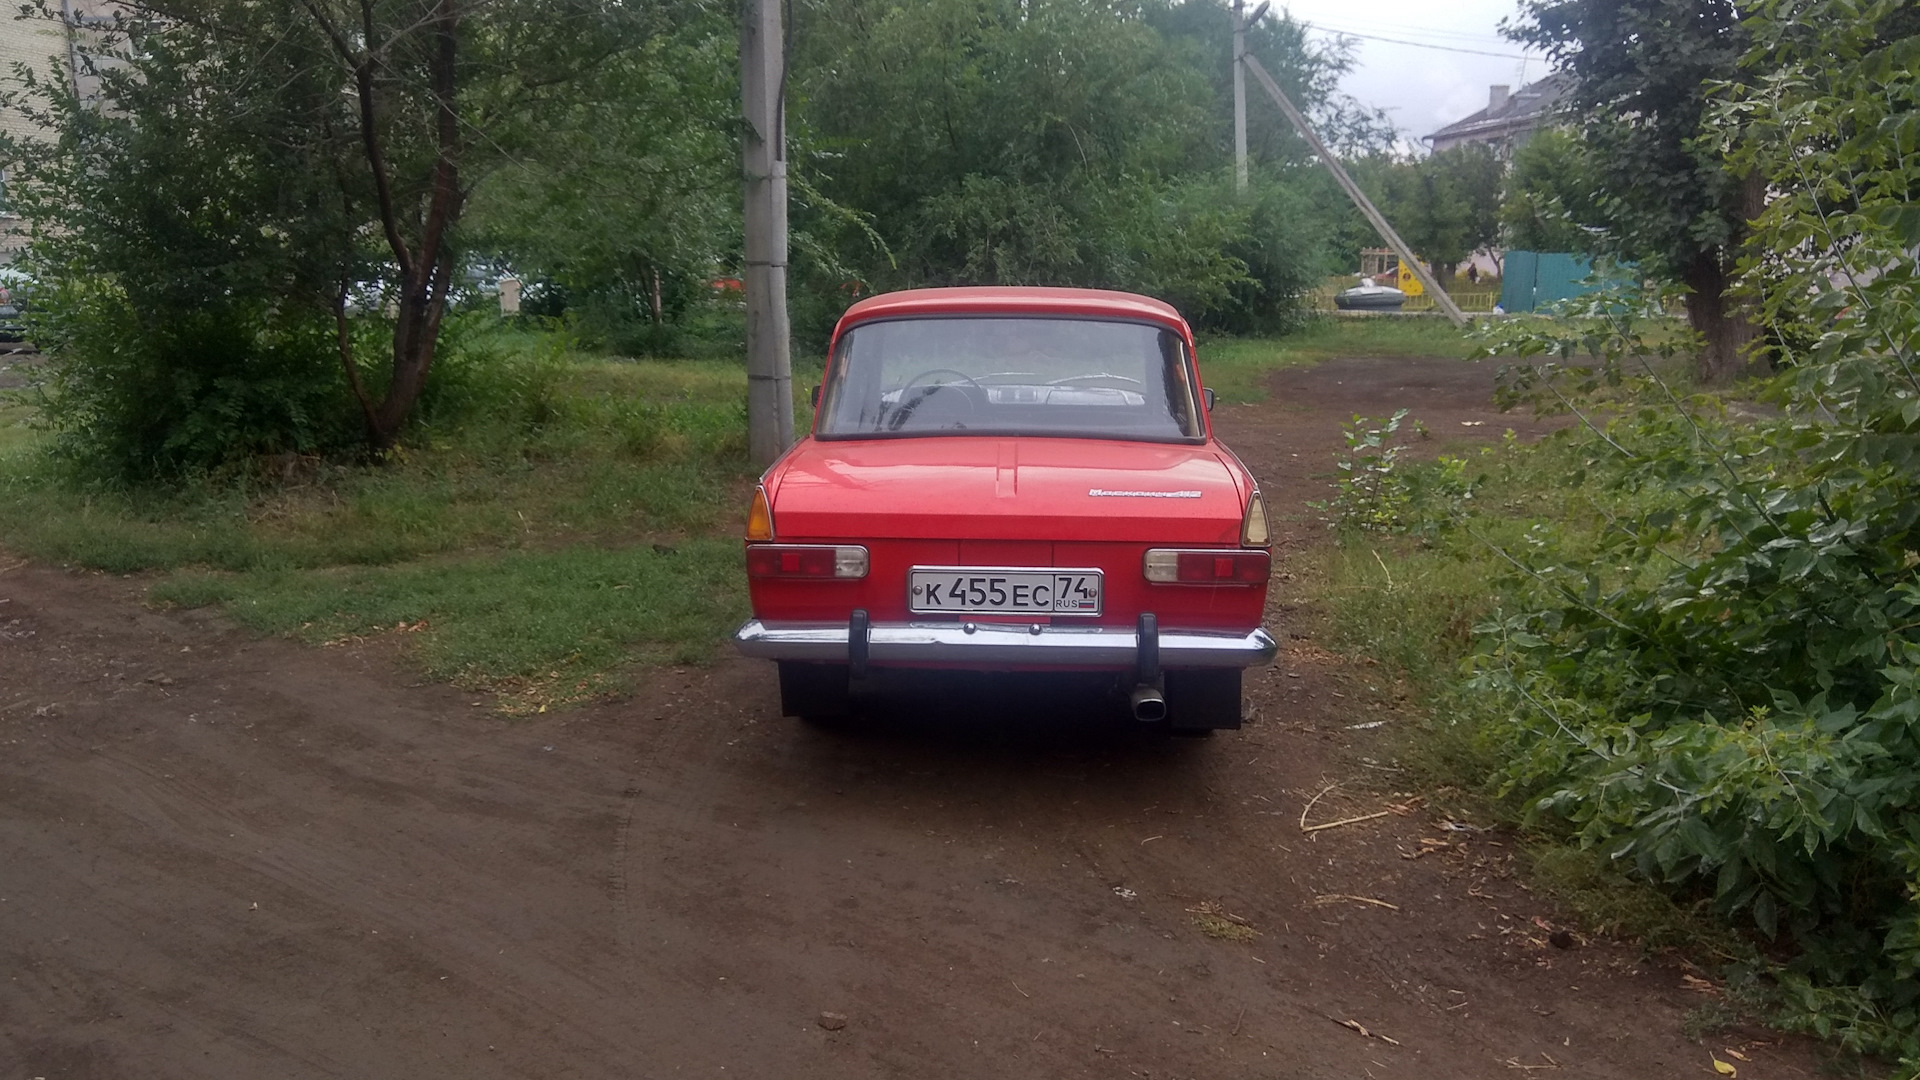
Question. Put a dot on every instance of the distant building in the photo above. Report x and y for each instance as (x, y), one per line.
(37, 45)
(1509, 118)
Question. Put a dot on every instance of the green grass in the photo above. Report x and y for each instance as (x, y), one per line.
(1237, 368)
(554, 517)
(538, 628)
(16, 433)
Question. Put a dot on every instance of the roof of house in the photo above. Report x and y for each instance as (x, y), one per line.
(1522, 109)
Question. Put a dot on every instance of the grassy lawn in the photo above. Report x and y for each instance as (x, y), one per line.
(556, 517)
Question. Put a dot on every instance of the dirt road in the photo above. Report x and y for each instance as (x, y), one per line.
(235, 858)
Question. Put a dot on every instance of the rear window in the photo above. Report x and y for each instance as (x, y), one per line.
(1011, 376)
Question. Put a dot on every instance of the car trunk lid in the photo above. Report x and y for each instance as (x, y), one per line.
(1009, 489)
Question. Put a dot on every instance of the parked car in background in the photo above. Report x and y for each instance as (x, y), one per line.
(1012, 479)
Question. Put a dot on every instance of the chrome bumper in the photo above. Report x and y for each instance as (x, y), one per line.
(999, 645)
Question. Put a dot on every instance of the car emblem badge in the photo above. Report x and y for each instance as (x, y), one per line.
(1106, 493)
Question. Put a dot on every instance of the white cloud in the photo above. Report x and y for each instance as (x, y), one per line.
(1424, 89)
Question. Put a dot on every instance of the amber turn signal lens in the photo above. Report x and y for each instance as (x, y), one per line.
(1253, 531)
(760, 517)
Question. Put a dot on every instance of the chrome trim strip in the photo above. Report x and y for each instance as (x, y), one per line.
(1003, 645)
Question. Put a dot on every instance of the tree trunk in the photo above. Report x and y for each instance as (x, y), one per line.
(426, 271)
(1723, 323)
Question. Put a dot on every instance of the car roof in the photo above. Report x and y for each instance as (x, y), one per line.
(1013, 300)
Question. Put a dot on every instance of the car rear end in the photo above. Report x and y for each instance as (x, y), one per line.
(1142, 558)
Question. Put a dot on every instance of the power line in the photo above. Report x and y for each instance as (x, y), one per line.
(1423, 33)
(1421, 44)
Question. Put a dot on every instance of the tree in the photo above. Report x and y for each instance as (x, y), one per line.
(1048, 141)
(1550, 192)
(1641, 71)
(252, 163)
(1445, 206)
(624, 200)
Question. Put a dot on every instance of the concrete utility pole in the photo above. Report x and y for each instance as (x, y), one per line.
(763, 84)
(1241, 23)
(1359, 197)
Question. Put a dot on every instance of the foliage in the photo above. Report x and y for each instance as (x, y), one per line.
(1719, 684)
(1062, 142)
(250, 173)
(1666, 196)
(191, 391)
(1445, 205)
(1549, 202)
(1377, 493)
(1373, 493)
(623, 198)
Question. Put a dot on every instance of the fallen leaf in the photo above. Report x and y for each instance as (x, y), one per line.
(1722, 1067)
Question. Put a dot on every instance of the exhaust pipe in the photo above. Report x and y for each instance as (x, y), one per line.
(1149, 704)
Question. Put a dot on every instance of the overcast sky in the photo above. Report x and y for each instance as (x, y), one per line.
(1423, 89)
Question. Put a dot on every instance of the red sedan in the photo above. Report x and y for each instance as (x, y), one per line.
(1012, 479)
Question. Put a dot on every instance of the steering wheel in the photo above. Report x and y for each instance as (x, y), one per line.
(1092, 377)
(915, 381)
(905, 408)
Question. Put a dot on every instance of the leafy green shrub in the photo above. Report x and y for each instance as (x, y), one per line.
(1379, 493)
(1372, 492)
(1703, 661)
(1723, 689)
(139, 392)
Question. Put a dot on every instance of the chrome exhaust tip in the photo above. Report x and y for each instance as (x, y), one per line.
(1149, 705)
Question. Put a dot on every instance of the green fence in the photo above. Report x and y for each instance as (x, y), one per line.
(1533, 279)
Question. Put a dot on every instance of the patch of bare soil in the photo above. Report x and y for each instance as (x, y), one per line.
(15, 360)
(238, 858)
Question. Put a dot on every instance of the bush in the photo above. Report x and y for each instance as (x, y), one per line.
(140, 394)
(1707, 668)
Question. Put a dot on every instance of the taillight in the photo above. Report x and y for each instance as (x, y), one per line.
(760, 517)
(1217, 566)
(1253, 528)
(806, 561)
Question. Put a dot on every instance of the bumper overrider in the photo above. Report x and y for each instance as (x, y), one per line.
(1001, 645)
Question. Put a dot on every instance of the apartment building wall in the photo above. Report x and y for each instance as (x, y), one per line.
(35, 45)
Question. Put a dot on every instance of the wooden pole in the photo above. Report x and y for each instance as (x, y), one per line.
(1359, 197)
(764, 160)
(1239, 98)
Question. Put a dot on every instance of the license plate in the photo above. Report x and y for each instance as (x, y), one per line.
(987, 590)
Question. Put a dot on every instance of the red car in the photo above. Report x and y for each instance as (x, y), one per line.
(1012, 479)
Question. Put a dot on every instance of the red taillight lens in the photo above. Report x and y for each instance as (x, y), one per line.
(806, 561)
(1217, 567)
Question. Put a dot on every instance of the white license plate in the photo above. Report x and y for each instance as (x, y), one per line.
(989, 590)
